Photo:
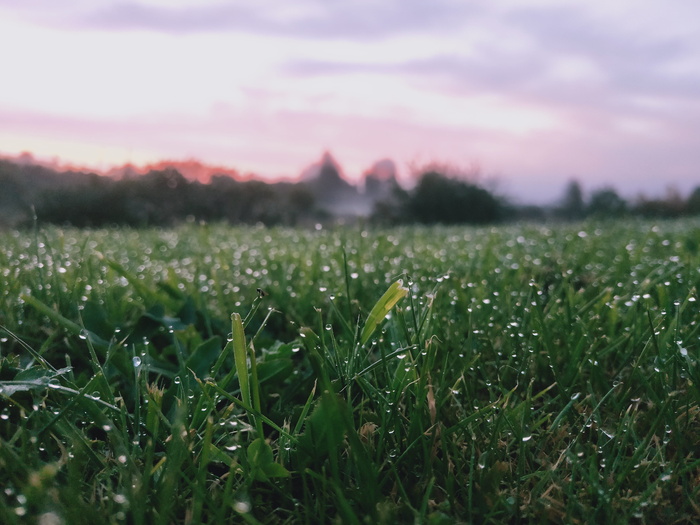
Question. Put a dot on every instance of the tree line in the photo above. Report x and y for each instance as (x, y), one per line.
(607, 203)
(30, 193)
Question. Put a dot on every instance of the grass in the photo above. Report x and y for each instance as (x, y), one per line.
(413, 375)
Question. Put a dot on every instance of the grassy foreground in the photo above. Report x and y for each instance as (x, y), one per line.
(249, 375)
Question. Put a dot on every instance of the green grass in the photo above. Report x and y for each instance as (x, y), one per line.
(209, 374)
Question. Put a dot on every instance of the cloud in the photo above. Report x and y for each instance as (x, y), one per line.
(633, 59)
(314, 19)
(592, 67)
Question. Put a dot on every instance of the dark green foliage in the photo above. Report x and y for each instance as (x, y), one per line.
(606, 204)
(438, 199)
(158, 198)
(167, 198)
(572, 205)
(693, 203)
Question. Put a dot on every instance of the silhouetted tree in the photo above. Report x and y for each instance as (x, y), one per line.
(692, 205)
(671, 206)
(440, 199)
(606, 203)
(572, 204)
(300, 203)
(393, 207)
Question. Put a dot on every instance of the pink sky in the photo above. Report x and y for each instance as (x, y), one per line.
(535, 92)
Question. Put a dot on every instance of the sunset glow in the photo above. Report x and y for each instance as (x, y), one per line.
(534, 92)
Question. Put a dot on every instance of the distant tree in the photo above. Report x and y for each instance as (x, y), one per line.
(671, 206)
(13, 209)
(332, 193)
(692, 204)
(572, 204)
(527, 212)
(261, 204)
(440, 199)
(392, 208)
(299, 203)
(605, 202)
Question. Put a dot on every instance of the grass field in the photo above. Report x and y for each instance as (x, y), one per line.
(414, 375)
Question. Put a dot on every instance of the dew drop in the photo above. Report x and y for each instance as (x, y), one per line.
(50, 518)
(136, 361)
(242, 507)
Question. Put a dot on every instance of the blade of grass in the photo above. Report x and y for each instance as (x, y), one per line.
(393, 295)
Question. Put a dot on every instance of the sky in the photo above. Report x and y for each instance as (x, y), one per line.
(533, 93)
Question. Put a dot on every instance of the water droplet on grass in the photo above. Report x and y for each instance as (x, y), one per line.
(242, 507)
(136, 361)
(50, 518)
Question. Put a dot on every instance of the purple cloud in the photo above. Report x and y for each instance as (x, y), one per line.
(322, 21)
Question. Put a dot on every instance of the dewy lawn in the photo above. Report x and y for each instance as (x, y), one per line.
(209, 374)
